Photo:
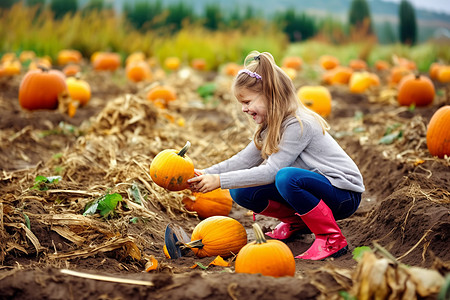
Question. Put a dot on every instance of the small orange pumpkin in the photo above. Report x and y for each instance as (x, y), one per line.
(328, 62)
(338, 75)
(358, 64)
(397, 73)
(415, 89)
(361, 81)
(79, 90)
(438, 132)
(106, 61)
(266, 257)
(172, 63)
(171, 169)
(444, 74)
(10, 68)
(40, 88)
(382, 65)
(198, 64)
(71, 69)
(433, 70)
(161, 95)
(215, 203)
(231, 69)
(218, 235)
(27, 55)
(293, 62)
(69, 56)
(316, 98)
(138, 70)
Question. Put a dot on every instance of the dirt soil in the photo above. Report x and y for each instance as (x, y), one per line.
(107, 147)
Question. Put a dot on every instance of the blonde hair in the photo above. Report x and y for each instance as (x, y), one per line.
(280, 95)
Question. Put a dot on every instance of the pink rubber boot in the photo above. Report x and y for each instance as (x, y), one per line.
(290, 222)
(329, 240)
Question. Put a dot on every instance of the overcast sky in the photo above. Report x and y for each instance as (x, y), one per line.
(434, 5)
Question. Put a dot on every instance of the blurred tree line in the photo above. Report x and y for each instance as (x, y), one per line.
(298, 26)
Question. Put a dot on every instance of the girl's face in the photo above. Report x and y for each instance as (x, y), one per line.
(252, 104)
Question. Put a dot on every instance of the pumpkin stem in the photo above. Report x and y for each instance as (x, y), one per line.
(184, 149)
(193, 244)
(260, 239)
(43, 68)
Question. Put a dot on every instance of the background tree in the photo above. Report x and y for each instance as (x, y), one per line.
(213, 16)
(298, 27)
(359, 16)
(4, 4)
(408, 24)
(61, 7)
(144, 14)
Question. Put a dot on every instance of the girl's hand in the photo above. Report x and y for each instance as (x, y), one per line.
(204, 183)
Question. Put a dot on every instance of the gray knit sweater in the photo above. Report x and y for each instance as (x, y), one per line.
(308, 149)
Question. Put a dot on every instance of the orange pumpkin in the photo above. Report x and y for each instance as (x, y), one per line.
(218, 235)
(10, 68)
(40, 88)
(266, 257)
(172, 63)
(231, 69)
(358, 64)
(215, 203)
(328, 62)
(338, 75)
(79, 90)
(161, 95)
(397, 73)
(135, 56)
(26, 55)
(433, 71)
(382, 65)
(444, 74)
(293, 62)
(438, 132)
(415, 89)
(71, 69)
(106, 61)
(361, 81)
(198, 64)
(138, 71)
(171, 169)
(69, 56)
(316, 98)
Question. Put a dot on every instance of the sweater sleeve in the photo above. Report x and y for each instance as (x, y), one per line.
(248, 157)
(293, 141)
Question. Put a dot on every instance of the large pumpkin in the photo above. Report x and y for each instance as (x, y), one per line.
(215, 203)
(218, 235)
(40, 88)
(415, 89)
(438, 132)
(266, 257)
(171, 169)
(317, 98)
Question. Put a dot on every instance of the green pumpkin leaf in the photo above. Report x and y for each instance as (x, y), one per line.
(359, 251)
(105, 205)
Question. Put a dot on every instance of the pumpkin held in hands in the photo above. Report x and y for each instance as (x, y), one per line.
(217, 235)
(40, 88)
(171, 169)
(215, 203)
(438, 132)
(267, 257)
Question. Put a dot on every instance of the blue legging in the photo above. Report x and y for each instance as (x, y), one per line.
(300, 189)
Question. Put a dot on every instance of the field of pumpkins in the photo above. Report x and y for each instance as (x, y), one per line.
(95, 153)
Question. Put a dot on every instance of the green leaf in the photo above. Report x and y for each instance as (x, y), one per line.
(359, 251)
(109, 204)
(390, 138)
(27, 220)
(135, 193)
(105, 205)
(134, 220)
(201, 265)
(43, 183)
(207, 90)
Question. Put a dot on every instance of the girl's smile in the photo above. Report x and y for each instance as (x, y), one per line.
(253, 104)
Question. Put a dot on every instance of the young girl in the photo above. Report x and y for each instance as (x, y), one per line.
(293, 169)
